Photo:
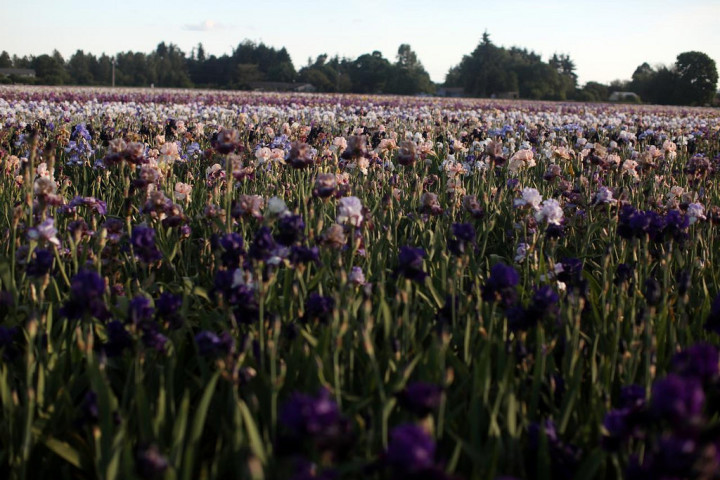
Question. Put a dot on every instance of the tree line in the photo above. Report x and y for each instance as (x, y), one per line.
(249, 63)
(488, 71)
(496, 71)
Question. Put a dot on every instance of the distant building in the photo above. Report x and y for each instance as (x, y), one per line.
(624, 97)
(450, 92)
(282, 87)
(18, 72)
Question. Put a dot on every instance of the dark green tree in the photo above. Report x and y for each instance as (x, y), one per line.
(5, 60)
(493, 71)
(50, 70)
(167, 67)
(595, 92)
(80, 68)
(408, 76)
(369, 73)
(696, 78)
(101, 70)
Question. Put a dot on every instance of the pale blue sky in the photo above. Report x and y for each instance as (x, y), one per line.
(606, 39)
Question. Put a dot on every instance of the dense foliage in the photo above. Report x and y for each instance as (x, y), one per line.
(199, 284)
(248, 64)
(692, 80)
(491, 70)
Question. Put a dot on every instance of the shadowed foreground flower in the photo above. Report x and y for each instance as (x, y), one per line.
(263, 246)
(543, 304)
(40, 263)
(300, 254)
(678, 400)
(632, 396)
(118, 339)
(674, 457)
(140, 310)
(6, 301)
(166, 309)
(318, 307)
(143, 243)
(623, 274)
(421, 398)
(698, 361)
(212, 345)
(316, 419)
(410, 263)
(233, 287)
(153, 338)
(232, 249)
(149, 462)
(410, 451)
(463, 237)
(291, 229)
(571, 273)
(617, 429)
(87, 288)
(501, 285)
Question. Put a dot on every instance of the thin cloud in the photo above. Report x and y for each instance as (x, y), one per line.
(205, 26)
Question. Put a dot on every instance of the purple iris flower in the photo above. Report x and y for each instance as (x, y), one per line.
(463, 237)
(263, 246)
(213, 345)
(698, 361)
(143, 242)
(318, 307)
(315, 419)
(40, 263)
(291, 229)
(501, 285)
(410, 263)
(232, 246)
(87, 288)
(678, 400)
(410, 450)
(140, 310)
(166, 308)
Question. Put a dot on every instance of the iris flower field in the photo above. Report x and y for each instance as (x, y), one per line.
(213, 284)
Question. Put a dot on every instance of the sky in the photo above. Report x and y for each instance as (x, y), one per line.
(607, 40)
